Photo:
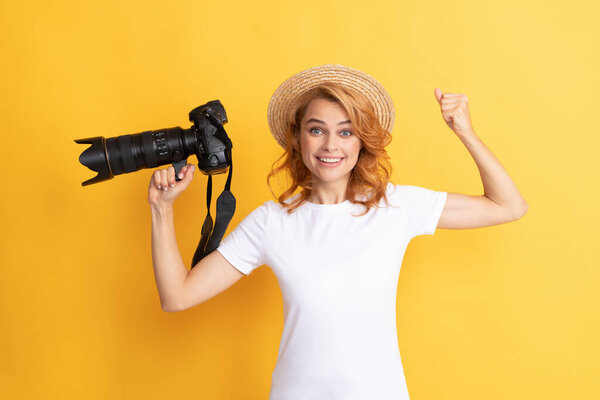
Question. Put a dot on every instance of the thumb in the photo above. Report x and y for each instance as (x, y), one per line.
(189, 173)
(438, 94)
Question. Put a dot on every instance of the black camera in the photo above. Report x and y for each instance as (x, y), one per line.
(206, 139)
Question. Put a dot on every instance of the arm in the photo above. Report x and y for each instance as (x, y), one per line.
(169, 270)
(501, 202)
(178, 288)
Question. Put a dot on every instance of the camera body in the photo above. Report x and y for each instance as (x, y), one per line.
(206, 139)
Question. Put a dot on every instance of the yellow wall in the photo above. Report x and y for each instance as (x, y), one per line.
(503, 312)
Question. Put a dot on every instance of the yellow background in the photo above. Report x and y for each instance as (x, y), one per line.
(503, 312)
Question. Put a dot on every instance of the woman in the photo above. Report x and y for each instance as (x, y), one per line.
(336, 247)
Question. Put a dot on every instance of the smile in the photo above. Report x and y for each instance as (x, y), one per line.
(330, 162)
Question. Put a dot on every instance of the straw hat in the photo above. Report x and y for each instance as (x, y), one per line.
(305, 80)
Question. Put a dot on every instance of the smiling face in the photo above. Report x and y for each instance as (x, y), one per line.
(330, 147)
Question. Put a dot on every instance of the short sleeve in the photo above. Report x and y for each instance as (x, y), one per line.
(424, 208)
(244, 246)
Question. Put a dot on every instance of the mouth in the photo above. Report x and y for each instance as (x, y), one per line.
(330, 161)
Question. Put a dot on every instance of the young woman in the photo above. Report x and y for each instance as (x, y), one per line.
(336, 246)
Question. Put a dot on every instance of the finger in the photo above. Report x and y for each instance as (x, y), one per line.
(438, 94)
(189, 174)
(163, 179)
(452, 101)
(185, 182)
(455, 97)
(190, 169)
(449, 107)
(171, 176)
(156, 179)
(183, 171)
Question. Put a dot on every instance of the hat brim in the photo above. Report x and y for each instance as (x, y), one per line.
(305, 80)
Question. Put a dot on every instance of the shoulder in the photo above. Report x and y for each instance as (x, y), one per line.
(403, 195)
(260, 215)
(405, 190)
(268, 209)
(400, 192)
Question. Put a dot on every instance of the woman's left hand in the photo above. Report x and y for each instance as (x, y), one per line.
(455, 110)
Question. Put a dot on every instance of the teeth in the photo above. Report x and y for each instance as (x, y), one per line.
(329, 160)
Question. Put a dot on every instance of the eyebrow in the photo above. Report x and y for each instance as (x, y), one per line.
(322, 122)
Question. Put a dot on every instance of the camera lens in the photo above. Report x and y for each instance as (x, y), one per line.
(129, 153)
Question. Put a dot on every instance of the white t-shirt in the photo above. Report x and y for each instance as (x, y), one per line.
(338, 275)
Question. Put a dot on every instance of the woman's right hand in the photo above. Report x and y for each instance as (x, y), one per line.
(163, 188)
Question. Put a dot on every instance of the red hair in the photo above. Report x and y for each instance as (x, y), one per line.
(369, 177)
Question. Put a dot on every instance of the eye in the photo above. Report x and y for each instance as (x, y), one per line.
(314, 129)
(348, 133)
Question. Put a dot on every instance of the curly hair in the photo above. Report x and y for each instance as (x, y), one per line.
(369, 177)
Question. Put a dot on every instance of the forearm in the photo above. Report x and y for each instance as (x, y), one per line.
(497, 184)
(169, 269)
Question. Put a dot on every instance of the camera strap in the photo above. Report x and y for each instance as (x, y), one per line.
(211, 237)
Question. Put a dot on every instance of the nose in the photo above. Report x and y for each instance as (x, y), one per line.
(330, 142)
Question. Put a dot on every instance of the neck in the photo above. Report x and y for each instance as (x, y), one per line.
(331, 194)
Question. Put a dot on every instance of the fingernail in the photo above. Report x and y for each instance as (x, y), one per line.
(172, 185)
(180, 175)
(193, 167)
(165, 189)
(159, 188)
